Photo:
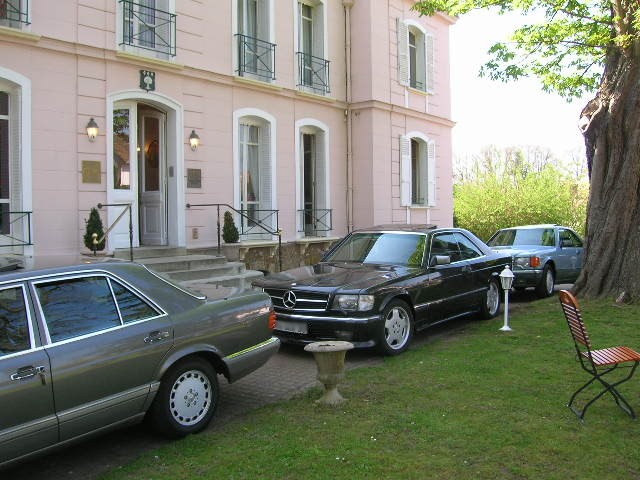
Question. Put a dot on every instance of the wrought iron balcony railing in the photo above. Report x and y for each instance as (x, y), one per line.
(256, 57)
(313, 73)
(15, 228)
(13, 13)
(314, 221)
(148, 28)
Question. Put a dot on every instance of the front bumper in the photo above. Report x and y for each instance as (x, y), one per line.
(303, 329)
(526, 278)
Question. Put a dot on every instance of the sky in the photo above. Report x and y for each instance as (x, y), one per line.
(490, 112)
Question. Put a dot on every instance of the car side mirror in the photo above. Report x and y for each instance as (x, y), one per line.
(439, 260)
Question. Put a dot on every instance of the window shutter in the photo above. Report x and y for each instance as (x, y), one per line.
(405, 171)
(403, 52)
(431, 173)
(263, 20)
(430, 52)
(321, 171)
(318, 31)
(265, 167)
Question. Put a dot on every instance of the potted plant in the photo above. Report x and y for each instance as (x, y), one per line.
(229, 231)
(94, 227)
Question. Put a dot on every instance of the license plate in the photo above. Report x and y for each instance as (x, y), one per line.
(295, 327)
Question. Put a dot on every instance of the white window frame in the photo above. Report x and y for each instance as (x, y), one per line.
(268, 24)
(165, 5)
(319, 47)
(424, 57)
(261, 118)
(428, 179)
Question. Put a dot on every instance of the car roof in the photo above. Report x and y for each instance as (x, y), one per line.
(541, 225)
(399, 227)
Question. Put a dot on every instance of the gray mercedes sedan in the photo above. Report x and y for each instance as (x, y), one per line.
(87, 348)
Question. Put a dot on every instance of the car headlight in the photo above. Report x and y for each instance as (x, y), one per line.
(353, 303)
(527, 262)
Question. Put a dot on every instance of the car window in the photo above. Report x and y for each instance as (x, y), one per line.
(132, 307)
(523, 236)
(77, 306)
(570, 238)
(381, 247)
(14, 326)
(446, 244)
(468, 249)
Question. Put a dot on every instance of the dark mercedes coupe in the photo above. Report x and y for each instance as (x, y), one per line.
(378, 285)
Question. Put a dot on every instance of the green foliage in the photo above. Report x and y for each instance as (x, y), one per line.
(517, 192)
(229, 231)
(566, 50)
(94, 225)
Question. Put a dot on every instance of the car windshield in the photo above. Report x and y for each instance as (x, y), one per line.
(543, 237)
(381, 248)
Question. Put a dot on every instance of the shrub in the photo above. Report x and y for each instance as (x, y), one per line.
(94, 225)
(229, 231)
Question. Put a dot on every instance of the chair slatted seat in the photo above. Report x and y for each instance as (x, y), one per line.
(597, 363)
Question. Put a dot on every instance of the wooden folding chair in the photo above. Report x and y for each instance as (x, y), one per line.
(597, 363)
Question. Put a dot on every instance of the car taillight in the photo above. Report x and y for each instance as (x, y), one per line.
(534, 262)
(272, 319)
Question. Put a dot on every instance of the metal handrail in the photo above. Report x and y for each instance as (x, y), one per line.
(319, 217)
(127, 208)
(260, 52)
(15, 240)
(10, 10)
(256, 223)
(313, 73)
(141, 15)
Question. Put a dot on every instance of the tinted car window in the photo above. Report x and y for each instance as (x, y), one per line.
(393, 248)
(131, 306)
(77, 306)
(446, 244)
(14, 328)
(467, 248)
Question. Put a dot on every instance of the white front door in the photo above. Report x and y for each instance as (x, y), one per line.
(152, 166)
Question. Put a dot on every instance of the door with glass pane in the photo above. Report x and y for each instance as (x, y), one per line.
(309, 182)
(151, 156)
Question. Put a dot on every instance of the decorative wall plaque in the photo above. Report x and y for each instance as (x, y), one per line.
(194, 178)
(147, 80)
(91, 171)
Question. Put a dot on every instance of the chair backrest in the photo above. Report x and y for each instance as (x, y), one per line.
(574, 319)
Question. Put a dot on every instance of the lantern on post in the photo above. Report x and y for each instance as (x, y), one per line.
(506, 281)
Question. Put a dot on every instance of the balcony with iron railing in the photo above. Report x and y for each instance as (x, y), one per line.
(15, 228)
(14, 13)
(256, 57)
(313, 73)
(315, 222)
(148, 28)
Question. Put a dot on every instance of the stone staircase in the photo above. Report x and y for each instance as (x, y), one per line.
(201, 269)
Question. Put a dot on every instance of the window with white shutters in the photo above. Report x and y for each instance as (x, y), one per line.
(416, 66)
(417, 172)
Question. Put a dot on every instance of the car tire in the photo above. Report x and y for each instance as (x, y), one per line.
(186, 400)
(396, 329)
(547, 282)
(491, 300)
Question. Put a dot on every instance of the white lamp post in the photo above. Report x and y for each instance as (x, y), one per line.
(506, 279)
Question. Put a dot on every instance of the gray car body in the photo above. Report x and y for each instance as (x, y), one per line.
(82, 386)
(565, 260)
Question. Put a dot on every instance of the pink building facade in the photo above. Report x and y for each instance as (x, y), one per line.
(314, 117)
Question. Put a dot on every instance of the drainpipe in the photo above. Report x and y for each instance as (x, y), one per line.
(347, 4)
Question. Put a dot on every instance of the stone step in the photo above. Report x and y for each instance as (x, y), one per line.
(212, 286)
(149, 252)
(184, 262)
(213, 271)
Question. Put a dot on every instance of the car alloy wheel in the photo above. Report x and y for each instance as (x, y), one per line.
(190, 397)
(186, 400)
(547, 282)
(491, 305)
(397, 327)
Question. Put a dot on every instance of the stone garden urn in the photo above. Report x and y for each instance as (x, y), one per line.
(329, 356)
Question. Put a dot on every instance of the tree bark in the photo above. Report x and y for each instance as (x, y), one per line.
(612, 138)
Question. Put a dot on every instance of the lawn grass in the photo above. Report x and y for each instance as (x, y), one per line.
(476, 404)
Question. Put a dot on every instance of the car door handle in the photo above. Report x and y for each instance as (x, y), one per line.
(466, 269)
(156, 336)
(28, 372)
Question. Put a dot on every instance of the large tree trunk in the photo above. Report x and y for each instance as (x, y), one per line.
(612, 137)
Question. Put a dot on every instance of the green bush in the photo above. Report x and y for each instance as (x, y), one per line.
(94, 225)
(229, 231)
